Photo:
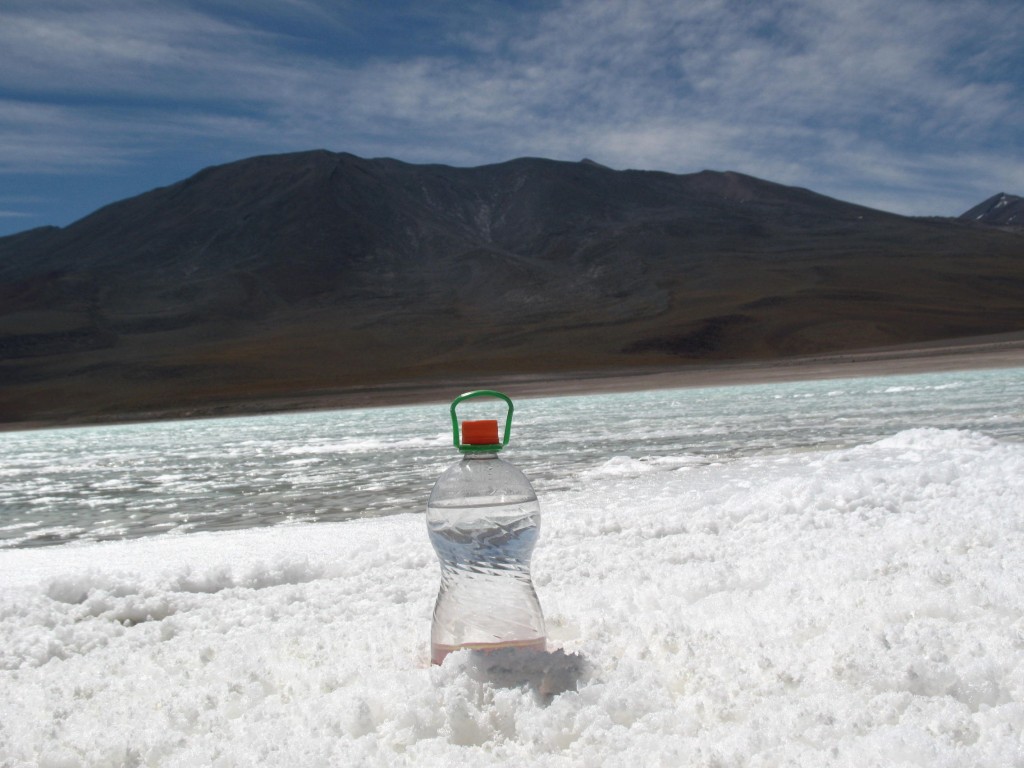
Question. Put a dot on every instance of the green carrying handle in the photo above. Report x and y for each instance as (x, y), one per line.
(455, 420)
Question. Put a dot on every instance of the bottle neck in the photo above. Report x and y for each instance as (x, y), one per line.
(480, 456)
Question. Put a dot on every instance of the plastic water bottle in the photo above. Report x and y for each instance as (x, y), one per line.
(483, 519)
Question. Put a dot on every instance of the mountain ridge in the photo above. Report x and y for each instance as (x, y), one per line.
(312, 271)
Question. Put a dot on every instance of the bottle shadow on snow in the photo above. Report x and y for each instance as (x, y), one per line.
(545, 673)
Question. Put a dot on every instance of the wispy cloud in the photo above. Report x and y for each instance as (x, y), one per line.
(914, 106)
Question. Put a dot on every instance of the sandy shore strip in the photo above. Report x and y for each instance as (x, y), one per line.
(1001, 351)
(998, 351)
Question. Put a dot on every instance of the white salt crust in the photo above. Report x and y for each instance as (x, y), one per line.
(861, 607)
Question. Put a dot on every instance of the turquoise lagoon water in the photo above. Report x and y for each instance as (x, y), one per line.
(170, 478)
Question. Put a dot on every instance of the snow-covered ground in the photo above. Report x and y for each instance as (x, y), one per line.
(856, 606)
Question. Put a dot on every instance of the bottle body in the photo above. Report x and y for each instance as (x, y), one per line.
(484, 520)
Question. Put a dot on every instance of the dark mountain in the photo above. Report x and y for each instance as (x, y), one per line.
(1000, 210)
(313, 272)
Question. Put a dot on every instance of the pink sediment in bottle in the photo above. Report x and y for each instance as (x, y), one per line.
(438, 652)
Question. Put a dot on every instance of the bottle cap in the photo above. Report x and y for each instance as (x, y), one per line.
(483, 432)
(481, 436)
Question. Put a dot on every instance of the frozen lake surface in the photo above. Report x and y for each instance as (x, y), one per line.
(825, 573)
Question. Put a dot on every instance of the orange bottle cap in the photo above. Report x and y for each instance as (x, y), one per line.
(480, 432)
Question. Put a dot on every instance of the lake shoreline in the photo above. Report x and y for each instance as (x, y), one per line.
(999, 351)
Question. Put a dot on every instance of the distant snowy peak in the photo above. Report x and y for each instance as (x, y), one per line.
(1001, 210)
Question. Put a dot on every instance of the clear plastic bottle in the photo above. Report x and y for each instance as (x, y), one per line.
(483, 519)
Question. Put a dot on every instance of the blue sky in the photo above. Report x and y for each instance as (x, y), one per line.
(912, 106)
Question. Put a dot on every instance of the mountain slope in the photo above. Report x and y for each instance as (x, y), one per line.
(314, 271)
(1001, 210)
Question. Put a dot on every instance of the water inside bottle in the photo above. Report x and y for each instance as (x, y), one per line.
(487, 600)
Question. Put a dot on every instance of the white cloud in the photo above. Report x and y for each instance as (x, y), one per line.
(887, 103)
(41, 138)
